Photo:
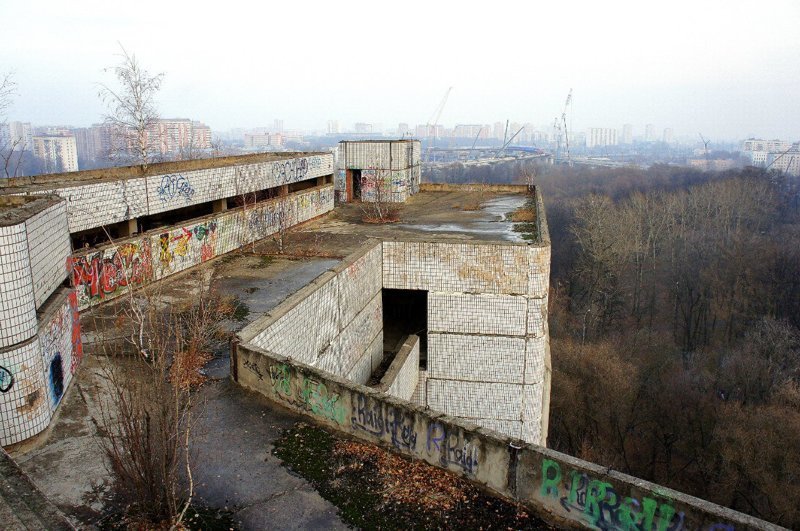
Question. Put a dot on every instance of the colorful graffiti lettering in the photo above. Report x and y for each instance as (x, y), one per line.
(602, 507)
(6, 380)
(173, 186)
(451, 450)
(97, 275)
(279, 377)
(398, 425)
(77, 343)
(290, 170)
(316, 397)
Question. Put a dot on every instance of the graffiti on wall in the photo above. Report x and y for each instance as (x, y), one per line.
(173, 186)
(290, 171)
(101, 274)
(601, 506)
(56, 379)
(77, 343)
(451, 449)
(6, 380)
(395, 423)
(186, 243)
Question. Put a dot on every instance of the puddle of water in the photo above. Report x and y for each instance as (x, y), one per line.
(495, 224)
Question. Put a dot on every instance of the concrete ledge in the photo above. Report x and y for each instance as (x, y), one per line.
(402, 375)
(491, 188)
(568, 491)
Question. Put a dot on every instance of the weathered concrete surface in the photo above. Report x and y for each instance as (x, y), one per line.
(235, 469)
(22, 505)
(568, 491)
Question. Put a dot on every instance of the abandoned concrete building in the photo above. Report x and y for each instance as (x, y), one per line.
(464, 317)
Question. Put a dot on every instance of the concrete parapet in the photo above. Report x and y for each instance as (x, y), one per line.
(567, 491)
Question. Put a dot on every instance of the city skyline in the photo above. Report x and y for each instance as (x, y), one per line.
(692, 71)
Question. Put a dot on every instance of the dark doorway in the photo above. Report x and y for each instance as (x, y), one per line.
(405, 312)
(356, 184)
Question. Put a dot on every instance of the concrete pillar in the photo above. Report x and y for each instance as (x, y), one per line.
(284, 190)
(320, 180)
(220, 205)
(129, 228)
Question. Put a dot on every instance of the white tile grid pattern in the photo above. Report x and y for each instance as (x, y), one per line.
(476, 358)
(353, 341)
(406, 380)
(475, 400)
(485, 314)
(24, 407)
(17, 301)
(49, 249)
(456, 267)
(419, 397)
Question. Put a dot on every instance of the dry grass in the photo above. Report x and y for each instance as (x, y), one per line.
(524, 214)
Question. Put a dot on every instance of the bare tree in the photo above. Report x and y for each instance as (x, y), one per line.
(132, 112)
(12, 149)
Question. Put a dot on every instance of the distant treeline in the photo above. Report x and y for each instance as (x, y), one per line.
(675, 328)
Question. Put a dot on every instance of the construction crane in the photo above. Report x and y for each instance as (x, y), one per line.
(505, 144)
(433, 121)
(469, 155)
(564, 120)
(705, 149)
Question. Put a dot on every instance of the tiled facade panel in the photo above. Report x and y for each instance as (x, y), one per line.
(17, 301)
(405, 383)
(353, 340)
(24, 404)
(384, 185)
(467, 313)
(103, 203)
(539, 276)
(537, 317)
(476, 358)
(35, 374)
(359, 283)
(307, 329)
(49, 248)
(456, 267)
(419, 397)
(532, 412)
(368, 362)
(535, 350)
(475, 400)
(512, 428)
(171, 191)
(108, 273)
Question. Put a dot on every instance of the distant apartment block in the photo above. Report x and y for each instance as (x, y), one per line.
(93, 142)
(57, 153)
(178, 134)
(333, 127)
(669, 136)
(627, 134)
(19, 137)
(471, 131)
(776, 155)
(262, 140)
(649, 133)
(363, 128)
(599, 136)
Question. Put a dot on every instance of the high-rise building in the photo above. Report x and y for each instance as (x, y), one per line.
(599, 136)
(499, 130)
(20, 137)
(468, 130)
(278, 126)
(627, 134)
(333, 127)
(403, 129)
(649, 133)
(91, 142)
(668, 135)
(363, 128)
(177, 134)
(57, 153)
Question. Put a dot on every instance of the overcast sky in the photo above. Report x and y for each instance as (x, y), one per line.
(729, 69)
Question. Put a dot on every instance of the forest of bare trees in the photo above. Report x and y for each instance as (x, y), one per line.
(675, 329)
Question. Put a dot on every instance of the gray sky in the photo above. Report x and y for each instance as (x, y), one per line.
(728, 69)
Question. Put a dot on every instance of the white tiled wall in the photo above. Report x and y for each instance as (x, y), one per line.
(49, 248)
(17, 299)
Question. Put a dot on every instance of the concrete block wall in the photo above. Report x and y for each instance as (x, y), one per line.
(569, 492)
(342, 307)
(94, 204)
(390, 170)
(108, 272)
(487, 338)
